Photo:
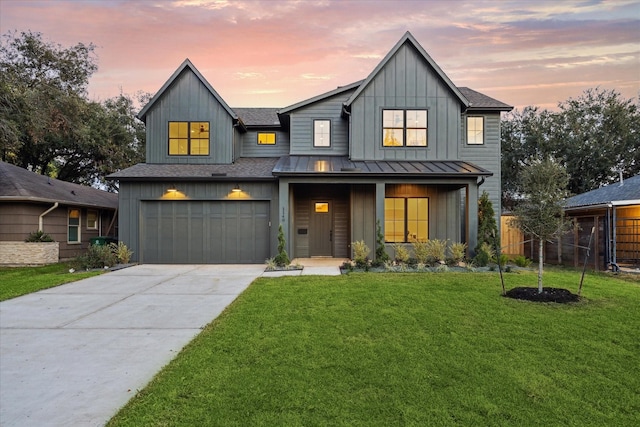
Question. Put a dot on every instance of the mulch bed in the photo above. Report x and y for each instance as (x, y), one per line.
(559, 295)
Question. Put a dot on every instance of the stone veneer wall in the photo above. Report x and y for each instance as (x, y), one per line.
(23, 253)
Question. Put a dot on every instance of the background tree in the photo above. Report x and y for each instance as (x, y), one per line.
(48, 126)
(540, 212)
(595, 137)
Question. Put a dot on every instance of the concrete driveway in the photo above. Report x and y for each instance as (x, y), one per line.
(75, 354)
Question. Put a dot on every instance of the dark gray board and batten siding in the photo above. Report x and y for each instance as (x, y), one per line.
(406, 81)
(133, 195)
(188, 99)
(301, 126)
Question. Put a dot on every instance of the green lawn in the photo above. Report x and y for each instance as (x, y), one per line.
(406, 349)
(17, 281)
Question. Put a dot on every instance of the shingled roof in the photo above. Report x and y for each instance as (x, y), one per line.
(246, 167)
(626, 192)
(18, 184)
(480, 101)
(262, 117)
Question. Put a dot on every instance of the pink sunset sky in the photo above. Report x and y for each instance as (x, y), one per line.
(277, 53)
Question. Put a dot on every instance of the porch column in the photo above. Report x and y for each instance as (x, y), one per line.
(380, 193)
(472, 218)
(283, 212)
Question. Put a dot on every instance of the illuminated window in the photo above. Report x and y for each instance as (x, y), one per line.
(404, 128)
(322, 133)
(406, 219)
(73, 234)
(322, 207)
(188, 138)
(92, 220)
(266, 138)
(475, 130)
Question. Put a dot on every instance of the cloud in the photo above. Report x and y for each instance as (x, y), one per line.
(256, 52)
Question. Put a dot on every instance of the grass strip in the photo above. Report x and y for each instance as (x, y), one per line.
(18, 281)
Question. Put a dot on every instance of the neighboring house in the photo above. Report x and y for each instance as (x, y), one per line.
(614, 211)
(70, 213)
(404, 147)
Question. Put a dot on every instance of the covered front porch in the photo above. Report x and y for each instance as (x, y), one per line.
(325, 205)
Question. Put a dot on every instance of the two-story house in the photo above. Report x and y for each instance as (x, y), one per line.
(404, 148)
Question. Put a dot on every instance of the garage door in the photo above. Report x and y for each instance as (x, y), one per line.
(204, 232)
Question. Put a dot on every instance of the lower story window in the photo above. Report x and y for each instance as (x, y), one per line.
(73, 233)
(406, 219)
(92, 220)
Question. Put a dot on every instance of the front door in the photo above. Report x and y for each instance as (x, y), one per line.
(321, 228)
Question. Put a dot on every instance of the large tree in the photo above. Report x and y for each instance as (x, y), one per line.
(540, 211)
(595, 137)
(48, 125)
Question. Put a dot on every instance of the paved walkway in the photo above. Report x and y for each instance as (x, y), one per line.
(74, 354)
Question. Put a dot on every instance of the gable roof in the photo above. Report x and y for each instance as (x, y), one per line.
(336, 91)
(480, 101)
(408, 38)
(18, 184)
(622, 193)
(185, 65)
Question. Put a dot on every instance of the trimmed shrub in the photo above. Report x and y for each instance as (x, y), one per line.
(522, 261)
(38, 236)
(484, 254)
(458, 252)
(282, 259)
(381, 254)
(436, 249)
(421, 251)
(97, 256)
(122, 252)
(360, 253)
(402, 253)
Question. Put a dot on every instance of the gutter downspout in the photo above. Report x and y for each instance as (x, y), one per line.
(40, 221)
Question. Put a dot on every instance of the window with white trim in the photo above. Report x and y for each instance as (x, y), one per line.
(475, 130)
(322, 133)
(73, 226)
(92, 219)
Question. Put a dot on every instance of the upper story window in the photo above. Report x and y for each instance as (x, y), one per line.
(92, 219)
(188, 138)
(404, 128)
(266, 138)
(73, 226)
(322, 133)
(475, 130)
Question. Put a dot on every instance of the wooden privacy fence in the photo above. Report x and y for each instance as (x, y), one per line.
(511, 238)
